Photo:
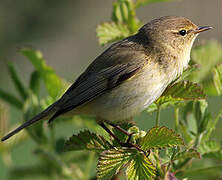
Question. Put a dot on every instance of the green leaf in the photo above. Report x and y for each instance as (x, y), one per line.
(217, 78)
(34, 83)
(145, 2)
(189, 153)
(211, 125)
(185, 90)
(110, 32)
(185, 131)
(124, 13)
(140, 168)
(17, 81)
(30, 109)
(209, 147)
(178, 93)
(160, 137)
(86, 140)
(187, 72)
(111, 161)
(207, 55)
(9, 98)
(52, 81)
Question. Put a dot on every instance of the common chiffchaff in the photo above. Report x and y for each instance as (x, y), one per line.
(130, 75)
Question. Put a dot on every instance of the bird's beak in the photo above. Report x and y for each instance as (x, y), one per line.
(202, 28)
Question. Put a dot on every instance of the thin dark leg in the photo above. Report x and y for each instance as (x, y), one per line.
(120, 129)
(127, 144)
(110, 132)
(123, 131)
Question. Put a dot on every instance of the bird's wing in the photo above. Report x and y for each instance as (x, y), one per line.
(93, 86)
(101, 76)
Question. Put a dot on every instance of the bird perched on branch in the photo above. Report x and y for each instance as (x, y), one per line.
(128, 76)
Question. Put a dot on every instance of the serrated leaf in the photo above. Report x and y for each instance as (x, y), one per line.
(140, 168)
(86, 140)
(189, 153)
(17, 81)
(177, 93)
(185, 90)
(111, 161)
(145, 2)
(160, 137)
(165, 101)
(110, 32)
(52, 81)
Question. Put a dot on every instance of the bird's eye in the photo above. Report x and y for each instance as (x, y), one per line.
(182, 32)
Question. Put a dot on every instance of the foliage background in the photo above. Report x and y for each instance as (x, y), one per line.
(65, 33)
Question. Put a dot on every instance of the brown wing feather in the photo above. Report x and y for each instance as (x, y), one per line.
(118, 63)
(94, 86)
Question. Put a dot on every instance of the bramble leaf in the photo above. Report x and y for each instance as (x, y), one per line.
(140, 168)
(110, 32)
(87, 140)
(185, 90)
(52, 81)
(177, 93)
(189, 153)
(160, 137)
(111, 161)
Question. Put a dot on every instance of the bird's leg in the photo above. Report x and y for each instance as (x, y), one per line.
(110, 132)
(127, 144)
(123, 131)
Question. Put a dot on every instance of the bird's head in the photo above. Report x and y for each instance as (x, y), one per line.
(177, 33)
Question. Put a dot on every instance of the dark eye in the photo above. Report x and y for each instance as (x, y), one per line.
(182, 32)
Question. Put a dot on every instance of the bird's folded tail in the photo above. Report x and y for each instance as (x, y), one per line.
(44, 114)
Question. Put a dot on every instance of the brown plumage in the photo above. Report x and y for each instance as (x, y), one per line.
(130, 75)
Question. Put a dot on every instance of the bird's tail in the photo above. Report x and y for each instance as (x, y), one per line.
(44, 114)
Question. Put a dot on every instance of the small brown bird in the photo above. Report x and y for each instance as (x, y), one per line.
(130, 75)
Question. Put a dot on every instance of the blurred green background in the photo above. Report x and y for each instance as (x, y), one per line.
(65, 31)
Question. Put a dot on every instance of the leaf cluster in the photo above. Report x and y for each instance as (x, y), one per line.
(168, 152)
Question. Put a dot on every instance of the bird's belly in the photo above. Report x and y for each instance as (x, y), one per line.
(126, 100)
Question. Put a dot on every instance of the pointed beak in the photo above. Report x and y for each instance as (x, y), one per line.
(202, 28)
